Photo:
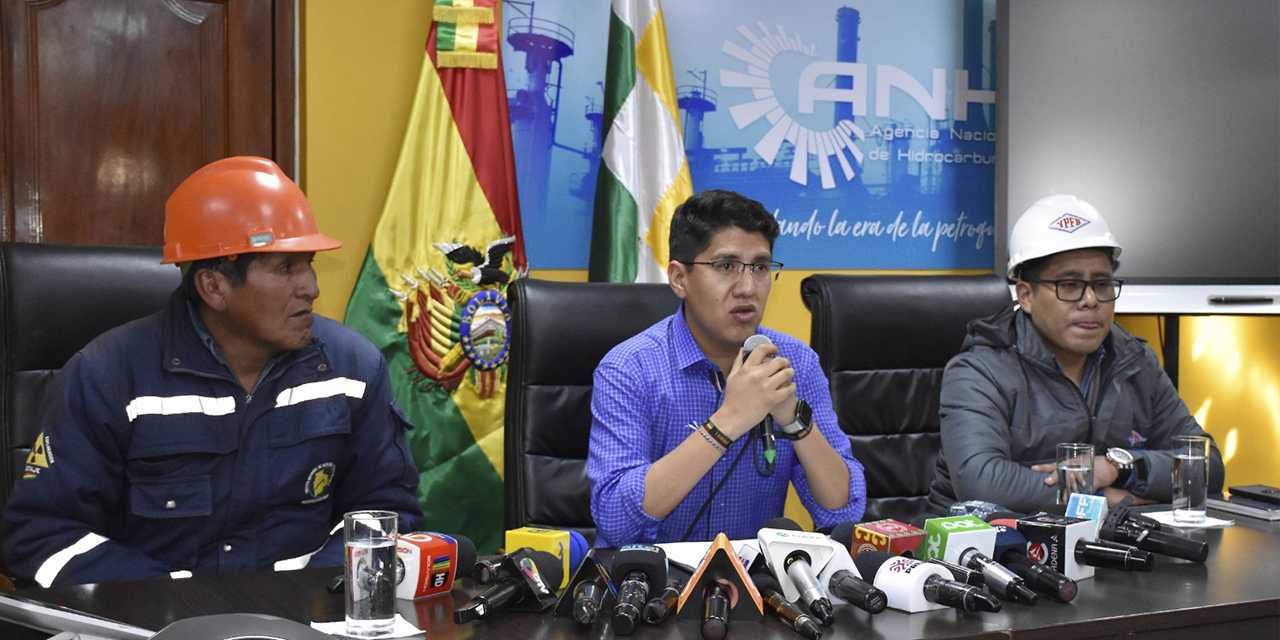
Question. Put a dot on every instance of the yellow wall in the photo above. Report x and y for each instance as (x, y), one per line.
(359, 68)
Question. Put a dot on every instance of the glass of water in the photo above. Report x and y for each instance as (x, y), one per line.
(1075, 470)
(370, 572)
(1190, 478)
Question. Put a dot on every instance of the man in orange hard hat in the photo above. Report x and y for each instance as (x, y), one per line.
(229, 432)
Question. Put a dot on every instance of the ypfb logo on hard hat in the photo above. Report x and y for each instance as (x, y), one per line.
(1068, 222)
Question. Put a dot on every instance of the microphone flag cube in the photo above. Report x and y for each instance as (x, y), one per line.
(429, 562)
(1051, 540)
(947, 538)
(898, 538)
(557, 542)
(1090, 507)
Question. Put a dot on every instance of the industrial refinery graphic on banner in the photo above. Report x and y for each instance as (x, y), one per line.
(867, 128)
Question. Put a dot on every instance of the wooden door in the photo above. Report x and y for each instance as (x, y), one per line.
(107, 105)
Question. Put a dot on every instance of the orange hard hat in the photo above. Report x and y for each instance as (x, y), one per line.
(239, 205)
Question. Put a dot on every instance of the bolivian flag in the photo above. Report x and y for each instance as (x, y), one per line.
(431, 293)
(644, 174)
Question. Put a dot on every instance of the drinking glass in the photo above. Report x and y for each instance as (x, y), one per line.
(1075, 470)
(370, 572)
(1190, 478)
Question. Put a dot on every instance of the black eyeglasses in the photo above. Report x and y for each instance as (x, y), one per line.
(1072, 290)
(729, 268)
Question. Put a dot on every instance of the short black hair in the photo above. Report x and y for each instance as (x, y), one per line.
(709, 212)
(234, 268)
(1034, 268)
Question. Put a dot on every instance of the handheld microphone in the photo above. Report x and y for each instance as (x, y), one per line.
(961, 574)
(569, 546)
(1124, 527)
(770, 447)
(636, 569)
(431, 563)
(715, 616)
(658, 608)
(857, 592)
(587, 599)
(797, 554)
(1113, 555)
(1010, 547)
(911, 585)
(1051, 540)
(525, 580)
(1000, 579)
(793, 616)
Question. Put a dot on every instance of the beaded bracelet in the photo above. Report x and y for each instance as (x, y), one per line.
(708, 438)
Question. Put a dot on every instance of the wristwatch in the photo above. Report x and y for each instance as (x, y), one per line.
(1123, 460)
(803, 421)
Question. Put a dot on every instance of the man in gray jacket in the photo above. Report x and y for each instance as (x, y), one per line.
(1055, 369)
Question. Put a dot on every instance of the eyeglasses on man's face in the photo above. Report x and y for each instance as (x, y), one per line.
(1072, 290)
(728, 268)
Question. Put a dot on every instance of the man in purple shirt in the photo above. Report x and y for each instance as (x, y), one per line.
(680, 445)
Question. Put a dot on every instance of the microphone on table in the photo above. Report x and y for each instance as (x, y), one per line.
(659, 607)
(1010, 551)
(767, 437)
(908, 582)
(1113, 555)
(432, 562)
(1000, 579)
(637, 568)
(553, 541)
(794, 552)
(530, 585)
(792, 615)
(715, 612)
(1125, 527)
(1054, 540)
(588, 597)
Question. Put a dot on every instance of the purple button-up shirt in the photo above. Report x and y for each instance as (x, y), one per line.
(648, 392)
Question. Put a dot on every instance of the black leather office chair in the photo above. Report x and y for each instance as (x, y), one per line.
(559, 333)
(883, 342)
(54, 299)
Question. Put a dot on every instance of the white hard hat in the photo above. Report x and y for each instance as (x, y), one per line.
(1055, 224)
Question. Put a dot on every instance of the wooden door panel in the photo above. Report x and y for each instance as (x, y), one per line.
(113, 102)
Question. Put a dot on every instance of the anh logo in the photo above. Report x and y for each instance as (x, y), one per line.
(1068, 222)
(866, 547)
(1037, 551)
(800, 129)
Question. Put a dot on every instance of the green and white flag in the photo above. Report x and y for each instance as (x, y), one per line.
(644, 174)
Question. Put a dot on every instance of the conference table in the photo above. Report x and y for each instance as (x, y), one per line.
(1236, 591)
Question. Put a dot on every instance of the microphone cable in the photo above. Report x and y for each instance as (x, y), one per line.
(716, 380)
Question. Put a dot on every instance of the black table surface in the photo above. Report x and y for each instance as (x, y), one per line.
(1237, 591)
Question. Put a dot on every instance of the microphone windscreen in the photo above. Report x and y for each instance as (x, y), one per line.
(650, 559)
(752, 342)
(763, 579)
(1008, 539)
(578, 549)
(1003, 515)
(549, 566)
(466, 554)
(782, 523)
(868, 563)
(843, 534)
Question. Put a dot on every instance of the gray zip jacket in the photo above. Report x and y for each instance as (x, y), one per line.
(1006, 404)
